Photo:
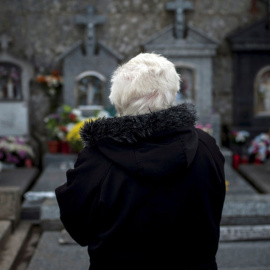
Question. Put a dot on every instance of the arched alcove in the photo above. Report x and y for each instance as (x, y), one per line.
(10, 81)
(187, 91)
(262, 92)
(90, 89)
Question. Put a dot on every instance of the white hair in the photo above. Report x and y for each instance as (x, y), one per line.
(148, 82)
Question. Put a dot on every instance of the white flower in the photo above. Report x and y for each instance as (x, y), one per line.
(103, 113)
(77, 112)
(70, 126)
(52, 91)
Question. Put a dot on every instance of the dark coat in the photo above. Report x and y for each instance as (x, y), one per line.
(146, 192)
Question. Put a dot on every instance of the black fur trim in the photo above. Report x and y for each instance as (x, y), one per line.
(129, 129)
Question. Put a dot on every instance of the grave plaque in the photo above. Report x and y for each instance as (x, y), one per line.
(13, 119)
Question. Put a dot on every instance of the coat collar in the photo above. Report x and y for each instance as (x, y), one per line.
(130, 129)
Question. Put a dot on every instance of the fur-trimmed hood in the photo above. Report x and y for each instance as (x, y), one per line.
(152, 145)
(131, 129)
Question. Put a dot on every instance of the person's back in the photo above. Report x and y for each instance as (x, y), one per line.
(147, 191)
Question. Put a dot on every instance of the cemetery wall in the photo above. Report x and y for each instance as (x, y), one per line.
(43, 30)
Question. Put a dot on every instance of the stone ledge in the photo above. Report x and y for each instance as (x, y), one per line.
(244, 255)
(12, 248)
(257, 175)
(5, 231)
(246, 210)
(10, 204)
(240, 233)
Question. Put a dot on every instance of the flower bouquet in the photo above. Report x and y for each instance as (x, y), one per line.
(259, 148)
(58, 124)
(16, 151)
(52, 85)
(239, 137)
(53, 82)
(239, 140)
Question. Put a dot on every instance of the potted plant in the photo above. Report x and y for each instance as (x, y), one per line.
(54, 133)
(239, 140)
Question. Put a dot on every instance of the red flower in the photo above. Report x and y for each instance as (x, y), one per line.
(55, 73)
(63, 128)
(41, 79)
(72, 117)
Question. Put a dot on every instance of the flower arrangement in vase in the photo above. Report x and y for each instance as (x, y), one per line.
(57, 125)
(259, 148)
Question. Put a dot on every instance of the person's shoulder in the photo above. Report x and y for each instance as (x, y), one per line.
(209, 142)
(87, 154)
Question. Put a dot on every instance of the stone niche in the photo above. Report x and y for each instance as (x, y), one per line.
(15, 75)
(251, 69)
(191, 51)
(88, 66)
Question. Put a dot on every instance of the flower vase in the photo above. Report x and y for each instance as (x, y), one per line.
(65, 147)
(236, 161)
(53, 146)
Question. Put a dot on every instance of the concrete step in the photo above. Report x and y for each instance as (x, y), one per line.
(53, 255)
(11, 249)
(244, 255)
(244, 233)
(5, 231)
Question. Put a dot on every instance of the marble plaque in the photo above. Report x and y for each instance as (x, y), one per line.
(13, 119)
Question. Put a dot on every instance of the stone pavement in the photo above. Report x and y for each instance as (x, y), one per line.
(22, 178)
(53, 175)
(50, 255)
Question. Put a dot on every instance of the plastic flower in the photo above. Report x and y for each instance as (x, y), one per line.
(260, 147)
(240, 137)
(15, 150)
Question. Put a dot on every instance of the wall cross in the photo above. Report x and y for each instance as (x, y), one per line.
(179, 6)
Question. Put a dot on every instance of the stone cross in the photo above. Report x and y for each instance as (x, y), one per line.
(4, 41)
(179, 6)
(90, 20)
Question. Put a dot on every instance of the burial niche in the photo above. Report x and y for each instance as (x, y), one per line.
(187, 92)
(262, 92)
(10, 81)
(89, 89)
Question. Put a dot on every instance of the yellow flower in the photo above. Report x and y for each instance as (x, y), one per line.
(227, 185)
(74, 138)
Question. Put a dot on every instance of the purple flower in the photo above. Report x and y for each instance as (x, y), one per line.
(20, 140)
(54, 116)
(12, 159)
(22, 154)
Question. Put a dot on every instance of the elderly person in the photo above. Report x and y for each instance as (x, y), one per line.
(147, 190)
